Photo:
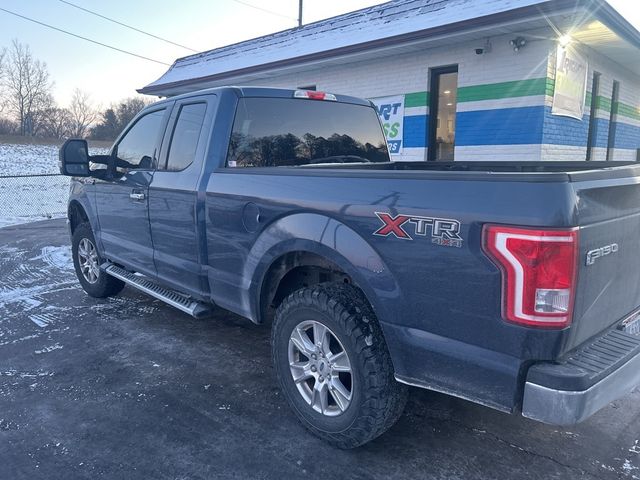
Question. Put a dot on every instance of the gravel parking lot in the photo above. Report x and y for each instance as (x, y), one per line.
(130, 388)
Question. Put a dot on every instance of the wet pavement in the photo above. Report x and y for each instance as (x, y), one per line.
(131, 388)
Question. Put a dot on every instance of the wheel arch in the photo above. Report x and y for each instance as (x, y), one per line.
(76, 214)
(324, 248)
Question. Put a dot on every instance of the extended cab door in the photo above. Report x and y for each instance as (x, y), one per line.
(177, 225)
(122, 196)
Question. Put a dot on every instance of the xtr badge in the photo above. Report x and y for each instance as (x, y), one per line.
(444, 231)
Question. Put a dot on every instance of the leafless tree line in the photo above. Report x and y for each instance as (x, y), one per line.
(27, 106)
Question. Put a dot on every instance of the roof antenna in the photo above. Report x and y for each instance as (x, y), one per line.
(299, 13)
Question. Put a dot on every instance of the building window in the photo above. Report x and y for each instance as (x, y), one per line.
(308, 87)
(442, 113)
(611, 141)
(593, 125)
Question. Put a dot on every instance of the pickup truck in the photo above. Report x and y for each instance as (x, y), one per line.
(513, 285)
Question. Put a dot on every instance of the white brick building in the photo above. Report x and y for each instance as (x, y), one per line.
(475, 78)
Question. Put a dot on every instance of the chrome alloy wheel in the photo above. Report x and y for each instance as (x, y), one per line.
(320, 368)
(88, 260)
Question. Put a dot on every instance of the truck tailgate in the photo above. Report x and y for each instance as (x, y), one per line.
(608, 212)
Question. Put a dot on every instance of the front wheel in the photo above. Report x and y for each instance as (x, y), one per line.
(86, 262)
(333, 365)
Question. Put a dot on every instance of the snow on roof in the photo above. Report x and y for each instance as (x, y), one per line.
(386, 20)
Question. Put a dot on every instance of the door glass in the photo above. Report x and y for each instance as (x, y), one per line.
(137, 147)
(184, 140)
(445, 125)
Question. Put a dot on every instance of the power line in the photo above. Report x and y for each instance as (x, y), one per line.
(82, 38)
(127, 26)
(264, 10)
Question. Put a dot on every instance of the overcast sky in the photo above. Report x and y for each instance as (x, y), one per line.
(199, 24)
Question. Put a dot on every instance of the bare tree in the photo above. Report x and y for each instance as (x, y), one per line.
(3, 54)
(27, 86)
(83, 114)
(55, 122)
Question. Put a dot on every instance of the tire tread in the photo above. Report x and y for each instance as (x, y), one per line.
(383, 397)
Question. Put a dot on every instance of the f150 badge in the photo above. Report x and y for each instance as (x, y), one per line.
(444, 231)
(596, 253)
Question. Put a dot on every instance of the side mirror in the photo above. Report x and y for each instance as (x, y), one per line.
(74, 158)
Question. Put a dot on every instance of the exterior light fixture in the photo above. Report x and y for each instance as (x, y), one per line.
(449, 104)
(517, 43)
(447, 92)
(564, 40)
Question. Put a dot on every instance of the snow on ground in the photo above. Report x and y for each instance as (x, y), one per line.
(28, 199)
(28, 159)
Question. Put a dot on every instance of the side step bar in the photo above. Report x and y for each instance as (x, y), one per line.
(175, 299)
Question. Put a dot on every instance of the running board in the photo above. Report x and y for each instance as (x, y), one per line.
(175, 299)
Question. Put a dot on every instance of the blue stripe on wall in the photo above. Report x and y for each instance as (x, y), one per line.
(519, 126)
(414, 131)
(601, 133)
(504, 126)
(627, 136)
(572, 132)
(566, 130)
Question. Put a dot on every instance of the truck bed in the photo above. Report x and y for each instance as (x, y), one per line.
(513, 171)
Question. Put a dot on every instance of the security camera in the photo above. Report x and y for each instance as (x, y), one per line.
(486, 48)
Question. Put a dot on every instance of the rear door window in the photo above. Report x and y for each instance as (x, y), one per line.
(185, 136)
(283, 132)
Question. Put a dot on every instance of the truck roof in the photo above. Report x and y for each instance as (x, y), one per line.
(260, 92)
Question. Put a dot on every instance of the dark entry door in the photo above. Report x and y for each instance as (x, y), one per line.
(442, 113)
(122, 196)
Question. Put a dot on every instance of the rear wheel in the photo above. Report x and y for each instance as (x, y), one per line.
(86, 261)
(333, 365)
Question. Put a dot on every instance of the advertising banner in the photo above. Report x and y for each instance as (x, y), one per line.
(571, 84)
(391, 112)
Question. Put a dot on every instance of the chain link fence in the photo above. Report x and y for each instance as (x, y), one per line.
(32, 197)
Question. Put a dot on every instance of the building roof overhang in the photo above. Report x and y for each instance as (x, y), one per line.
(592, 22)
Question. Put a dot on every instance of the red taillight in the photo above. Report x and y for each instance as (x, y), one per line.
(538, 273)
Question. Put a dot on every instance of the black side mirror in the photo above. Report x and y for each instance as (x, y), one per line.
(74, 158)
(146, 163)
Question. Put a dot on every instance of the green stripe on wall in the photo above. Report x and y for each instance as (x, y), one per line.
(603, 103)
(628, 111)
(550, 86)
(518, 88)
(622, 109)
(416, 99)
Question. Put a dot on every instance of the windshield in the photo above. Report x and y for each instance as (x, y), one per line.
(283, 132)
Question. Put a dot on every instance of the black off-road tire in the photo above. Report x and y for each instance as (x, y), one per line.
(378, 399)
(105, 285)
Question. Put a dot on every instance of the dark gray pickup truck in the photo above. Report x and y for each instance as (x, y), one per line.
(514, 285)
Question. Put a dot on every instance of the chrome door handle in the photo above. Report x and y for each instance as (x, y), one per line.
(137, 196)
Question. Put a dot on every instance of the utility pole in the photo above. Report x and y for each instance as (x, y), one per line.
(299, 13)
